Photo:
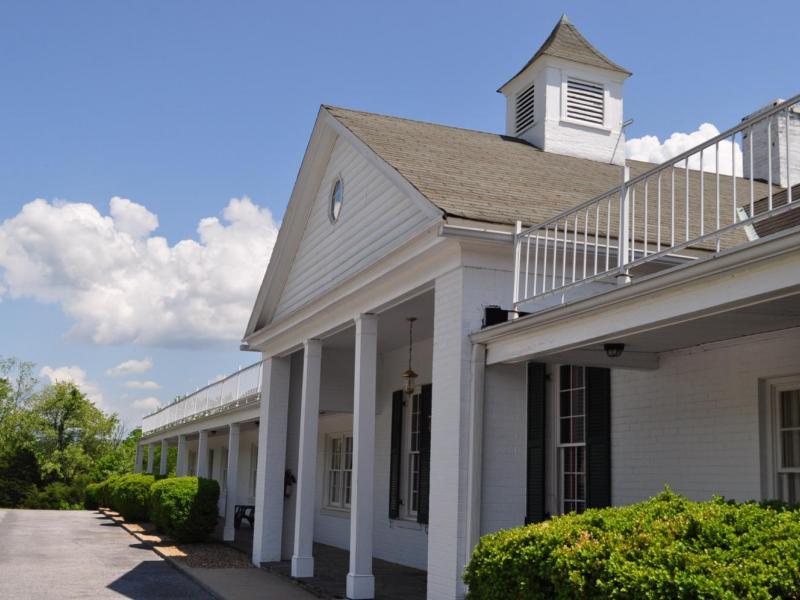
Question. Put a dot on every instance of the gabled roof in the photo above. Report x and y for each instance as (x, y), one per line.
(566, 42)
(485, 176)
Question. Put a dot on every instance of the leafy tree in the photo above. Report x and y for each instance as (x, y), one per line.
(71, 433)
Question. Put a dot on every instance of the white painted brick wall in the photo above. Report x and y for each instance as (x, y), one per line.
(504, 448)
(693, 423)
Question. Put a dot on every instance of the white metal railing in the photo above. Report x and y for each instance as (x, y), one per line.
(682, 209)
(237, 389)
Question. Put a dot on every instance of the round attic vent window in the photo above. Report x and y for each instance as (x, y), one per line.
(337, 195)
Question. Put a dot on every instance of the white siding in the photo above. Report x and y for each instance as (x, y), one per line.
(375, 217)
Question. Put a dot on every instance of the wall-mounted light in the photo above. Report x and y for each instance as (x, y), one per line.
(614, 350)
(409, 375)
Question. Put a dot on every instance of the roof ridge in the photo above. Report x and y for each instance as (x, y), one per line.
(431, 123)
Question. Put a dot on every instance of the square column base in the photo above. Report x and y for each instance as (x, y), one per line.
(302, 566)
(360, 587)
(228, 534)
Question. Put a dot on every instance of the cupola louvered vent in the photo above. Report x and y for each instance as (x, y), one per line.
(585, 101)
(525, 110)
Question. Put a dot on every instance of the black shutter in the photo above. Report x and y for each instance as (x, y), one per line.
(537, 389)
(598, 437)
(396, 454)
(424, 452)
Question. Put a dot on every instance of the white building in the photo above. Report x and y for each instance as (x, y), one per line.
(660, 345)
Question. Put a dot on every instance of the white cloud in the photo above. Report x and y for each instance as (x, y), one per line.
(130, 366)
(77, 376)
(141, 385)
(650, 149)
(121, 284)
(148, 404)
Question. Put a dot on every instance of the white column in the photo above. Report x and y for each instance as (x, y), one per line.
(360, 580)
(303, 557)
(180, 467)
(151, 450)
(202, 454)
(137, 466)
(164, 455)
(228, 532)
(273, 422)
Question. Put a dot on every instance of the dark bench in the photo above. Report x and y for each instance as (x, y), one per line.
(243, 511)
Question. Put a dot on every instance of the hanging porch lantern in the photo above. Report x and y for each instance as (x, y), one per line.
(409, 375)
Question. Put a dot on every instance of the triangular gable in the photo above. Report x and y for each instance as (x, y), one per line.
(312, 254)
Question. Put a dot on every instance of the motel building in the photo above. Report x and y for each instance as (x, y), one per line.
(462, 331)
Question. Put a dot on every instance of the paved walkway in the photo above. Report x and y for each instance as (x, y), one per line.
(81, 554)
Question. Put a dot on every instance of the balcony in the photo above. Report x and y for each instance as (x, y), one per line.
(236, 390)
(692, 207)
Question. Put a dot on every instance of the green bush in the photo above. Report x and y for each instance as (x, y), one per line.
(185, 508)
(130, 495)
(104, 491)
(91, 500)
(55, 496)
(666, 547)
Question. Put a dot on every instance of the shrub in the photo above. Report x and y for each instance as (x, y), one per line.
(104, 491)
(55, 496)
(91, 500)
(185, 508)
(130, 495)
(666, 547)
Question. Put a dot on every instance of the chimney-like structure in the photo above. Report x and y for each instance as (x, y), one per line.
(567, 99)
(760, 142)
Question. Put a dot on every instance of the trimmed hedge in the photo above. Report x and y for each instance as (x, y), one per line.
(130, 495)
(665, 547)
(185, 508)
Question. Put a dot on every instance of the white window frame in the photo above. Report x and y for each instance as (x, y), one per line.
(560, 448)
(566, 75)
(407, 511)
(253, 472)
(346, 474)
(335, 218)
(223, 466)
(771, 451)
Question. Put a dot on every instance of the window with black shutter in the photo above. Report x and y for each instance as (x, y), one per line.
(598, 437)
(409, 479)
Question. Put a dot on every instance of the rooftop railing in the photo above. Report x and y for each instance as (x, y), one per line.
(686, 208)
(240, 388)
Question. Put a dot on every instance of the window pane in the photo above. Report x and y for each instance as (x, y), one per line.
(564, 376)
(577, 402)
(566, 404)
(578, 430)
(790, 443)
(348, 484)
(790, 408)
(566, 431)
(577, 377)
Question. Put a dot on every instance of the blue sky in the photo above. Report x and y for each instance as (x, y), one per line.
(181, 106)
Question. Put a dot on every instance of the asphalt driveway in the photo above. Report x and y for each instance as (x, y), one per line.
(81, 554)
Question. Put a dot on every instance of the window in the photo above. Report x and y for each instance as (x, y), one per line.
(571, 448)
(524, 113)
(785, 434)
(224, 470)
(585, 101)
(339, 470)
(412, 451)
(253, 471)
(337, 197)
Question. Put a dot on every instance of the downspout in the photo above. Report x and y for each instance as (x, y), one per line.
(475, 467)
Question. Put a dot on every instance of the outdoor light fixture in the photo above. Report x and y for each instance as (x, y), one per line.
(614, 350)
(409, 375)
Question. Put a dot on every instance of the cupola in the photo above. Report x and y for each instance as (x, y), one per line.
(567, 99)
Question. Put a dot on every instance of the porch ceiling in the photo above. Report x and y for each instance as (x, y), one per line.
(392, 325)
